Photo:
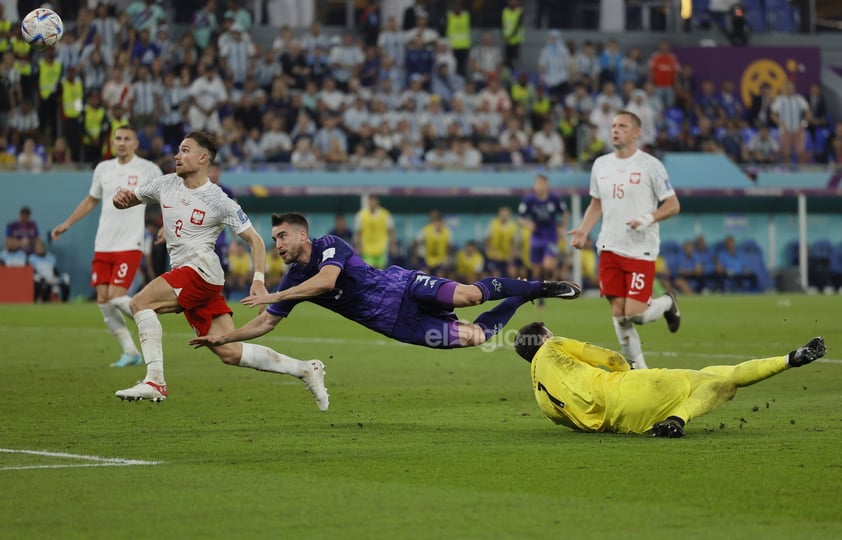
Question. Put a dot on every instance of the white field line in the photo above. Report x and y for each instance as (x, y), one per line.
(93, 461)
(691, 347)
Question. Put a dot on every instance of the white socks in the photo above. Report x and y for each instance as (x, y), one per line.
(151, 338)
(629, 341)
(115, 322)
(122, 303)
(657, 308)
(265, 359)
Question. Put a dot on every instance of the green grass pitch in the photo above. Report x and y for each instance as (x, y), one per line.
(417, 443)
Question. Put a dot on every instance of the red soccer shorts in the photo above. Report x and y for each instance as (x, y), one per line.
(115, 268)
(624, 277)
(202, 302)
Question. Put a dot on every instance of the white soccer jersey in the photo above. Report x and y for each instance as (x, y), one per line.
(120, 230)
(193, 219)
(629, 188)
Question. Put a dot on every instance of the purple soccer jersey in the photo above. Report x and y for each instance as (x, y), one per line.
(395, 302)
(546, 214)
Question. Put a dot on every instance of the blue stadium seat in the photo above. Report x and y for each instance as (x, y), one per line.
(792, 256)
(671, 252)
(755, 15)
(782, 16)
(818, 263)
(752, 255)
(674, 118)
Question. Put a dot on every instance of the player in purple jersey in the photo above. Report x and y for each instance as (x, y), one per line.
(546, 216)
(405, 305)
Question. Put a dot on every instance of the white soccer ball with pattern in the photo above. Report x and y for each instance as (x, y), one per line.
(42, 28)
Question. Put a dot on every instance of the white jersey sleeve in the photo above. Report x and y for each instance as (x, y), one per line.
(629, 188)
(120, 230)
(193, 219)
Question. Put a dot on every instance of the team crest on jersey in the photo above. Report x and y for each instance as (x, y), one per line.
(242, 215)
(197, 217)
(133, 180)
(634, 178)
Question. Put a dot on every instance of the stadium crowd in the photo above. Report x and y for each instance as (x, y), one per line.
(411, 94)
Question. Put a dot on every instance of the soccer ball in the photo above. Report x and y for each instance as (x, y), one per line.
(42, 28)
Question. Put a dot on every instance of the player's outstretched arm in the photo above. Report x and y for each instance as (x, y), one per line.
(125, 199)
(84, 208)
(258, 326)
(319, 284)
(579, 235)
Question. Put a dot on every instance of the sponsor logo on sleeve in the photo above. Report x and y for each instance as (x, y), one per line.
(242, 216)
(328, 254)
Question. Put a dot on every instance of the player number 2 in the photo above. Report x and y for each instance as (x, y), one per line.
(178, 226)
(637, 281)
(618, 192)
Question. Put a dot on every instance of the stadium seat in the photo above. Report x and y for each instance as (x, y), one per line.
(752, 255)
(836, 267)
(755, 15)
(818, 267)
(791, 254)
(671, 252)
(674, 117)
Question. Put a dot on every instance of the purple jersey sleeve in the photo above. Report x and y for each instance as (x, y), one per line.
(546, 214)
(327, 250)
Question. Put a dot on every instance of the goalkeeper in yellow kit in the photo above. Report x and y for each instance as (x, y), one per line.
(589, 388)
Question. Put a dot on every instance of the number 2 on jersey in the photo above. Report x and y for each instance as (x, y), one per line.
(178, 226)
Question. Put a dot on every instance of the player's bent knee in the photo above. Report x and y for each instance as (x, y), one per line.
(230, 353)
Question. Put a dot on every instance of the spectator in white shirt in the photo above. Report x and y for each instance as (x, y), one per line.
(495, 96)
(391, 41)
(276, 144)
(345, 60)
(484, 60)
(207, 95)
(466, 156)
(553, 61)
(791, 113)
(548, 146)
(304, 158)
(602, 116)
(639, 105)
(28, 160)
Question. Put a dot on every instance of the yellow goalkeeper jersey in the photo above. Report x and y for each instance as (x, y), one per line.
(571, 379)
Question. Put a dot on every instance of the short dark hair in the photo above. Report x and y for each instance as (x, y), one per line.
(634, 118)
(206, 140)
(529, 339)
(293, 218)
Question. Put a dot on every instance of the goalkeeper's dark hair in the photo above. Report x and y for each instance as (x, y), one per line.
(292, 218)
(529, 339)
(206, 140)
